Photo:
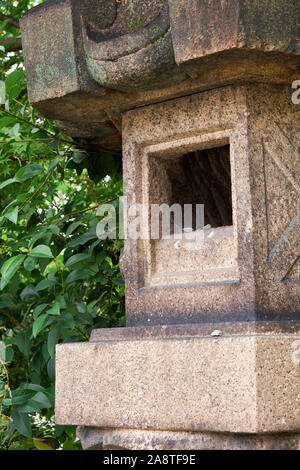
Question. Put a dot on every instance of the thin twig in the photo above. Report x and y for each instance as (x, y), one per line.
(12, 319)
(81, 332)
(19, 160)
(26, 140)
(12, 44)
(10, 20)
(42, 185)
(73, 214)
(72, 142)
(113, 288)
(19, 102)
(36, 192)
(30, 123)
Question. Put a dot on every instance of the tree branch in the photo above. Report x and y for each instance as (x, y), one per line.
(12, 319)
(73, 214)
(10, 20)
(12, 44)
(71, 142)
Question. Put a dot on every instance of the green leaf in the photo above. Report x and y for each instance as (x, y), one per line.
(69, 445)
(84, 238)
(7, 121)
(29, 264)
(20, 397)
(77, 258)
(51, 369)
(45, 284)
(28, 293)
(9, 269)
(54, 229)
(42, 400)
(77, 275)
(30, 407)
(93, 246)
(79, 155)
(8, 182)
(13, 78)
(9, 354)
(12, 214)
(15, 92)
(53, 340)
(38, 310)
(83, 316)
(21, 423)
(35, 387)
(23, 341)
(44, 444)
(41, 323)
(72, 227)
(53, 164)
(54, 310)
(29, 171)
(14, 131)
(6, 402)
(41, 251)
(119, 281)
(67, 321)
(6, 300)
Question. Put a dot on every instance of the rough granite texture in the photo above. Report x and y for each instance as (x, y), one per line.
(233, 383)
(98, 67)
(95, 59)
(116, 439)
(259, 278)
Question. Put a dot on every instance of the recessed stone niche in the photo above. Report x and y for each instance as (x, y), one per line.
(245, 267)
(200, 177)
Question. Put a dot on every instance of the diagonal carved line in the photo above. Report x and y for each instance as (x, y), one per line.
(290, 270)
(277, 250)
(295, 185)
(266, 194)
(285, 171)
(286, 136)
(284, 236)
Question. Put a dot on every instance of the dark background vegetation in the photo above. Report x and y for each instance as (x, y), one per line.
(58, 280)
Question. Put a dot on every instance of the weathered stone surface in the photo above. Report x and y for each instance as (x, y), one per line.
(131, 439)
(258, 277)
(89, 65)
(240, 383)
(200, 28)
(87, 61)
(135, 50)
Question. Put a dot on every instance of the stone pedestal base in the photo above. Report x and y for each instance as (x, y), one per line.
(133, 439)
(183, 387)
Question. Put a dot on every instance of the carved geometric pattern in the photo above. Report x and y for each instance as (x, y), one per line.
(294, 273)
(281, 164)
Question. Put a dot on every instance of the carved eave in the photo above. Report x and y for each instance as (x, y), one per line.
(89, 61)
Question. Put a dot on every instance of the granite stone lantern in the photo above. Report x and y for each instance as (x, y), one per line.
(198, 96)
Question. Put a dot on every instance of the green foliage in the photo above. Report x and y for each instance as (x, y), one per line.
(58, 280)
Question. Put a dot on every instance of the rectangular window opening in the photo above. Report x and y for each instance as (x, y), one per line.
(198, 177)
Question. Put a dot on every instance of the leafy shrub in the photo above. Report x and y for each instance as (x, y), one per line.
(58, 280)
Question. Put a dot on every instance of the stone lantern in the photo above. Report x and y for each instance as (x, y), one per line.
(199, 96)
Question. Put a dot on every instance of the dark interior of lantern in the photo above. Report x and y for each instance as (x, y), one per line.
(199, 177)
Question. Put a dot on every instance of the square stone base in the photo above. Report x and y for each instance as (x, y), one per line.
(133, 439)
(224, 378)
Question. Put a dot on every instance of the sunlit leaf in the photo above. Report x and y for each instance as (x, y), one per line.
(41, 251)
(9, 269)
(44, 444)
